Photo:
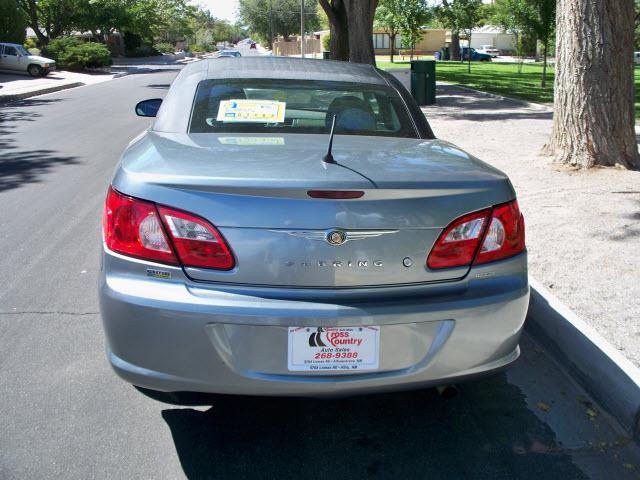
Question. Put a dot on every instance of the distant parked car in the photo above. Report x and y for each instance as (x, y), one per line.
(489, 50)
(253, 45)
(229, 53)
(636, 57)
(16, 58)
(475, 55)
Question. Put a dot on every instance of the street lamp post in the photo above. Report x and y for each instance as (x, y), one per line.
(302, 28)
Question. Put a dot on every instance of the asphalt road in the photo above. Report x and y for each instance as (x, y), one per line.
(64, 414)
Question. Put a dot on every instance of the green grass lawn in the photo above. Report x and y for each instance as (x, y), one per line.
(503, 79)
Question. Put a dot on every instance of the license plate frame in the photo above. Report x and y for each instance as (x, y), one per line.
(333, 349)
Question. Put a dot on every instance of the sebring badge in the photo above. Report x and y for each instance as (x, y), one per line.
(336, 236)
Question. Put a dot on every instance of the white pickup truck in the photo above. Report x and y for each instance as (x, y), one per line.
(16, 58)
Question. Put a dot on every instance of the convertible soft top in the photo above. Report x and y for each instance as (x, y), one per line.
(292, 69)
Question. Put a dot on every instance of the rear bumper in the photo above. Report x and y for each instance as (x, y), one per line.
(175, 335)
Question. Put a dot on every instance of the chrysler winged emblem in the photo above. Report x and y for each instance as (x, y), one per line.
(336, 236)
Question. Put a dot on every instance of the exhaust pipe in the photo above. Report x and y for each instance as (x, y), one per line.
(447, 391)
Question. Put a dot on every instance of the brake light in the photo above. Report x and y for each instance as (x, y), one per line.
(132, 227)
(458, 243)
(335, 194)
(505, 235)
(197, 242)
(141, 229)
(486, 236)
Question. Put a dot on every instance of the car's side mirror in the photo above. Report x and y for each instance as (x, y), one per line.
(148, 108)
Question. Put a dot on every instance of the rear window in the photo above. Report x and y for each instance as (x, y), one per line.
(277, 106)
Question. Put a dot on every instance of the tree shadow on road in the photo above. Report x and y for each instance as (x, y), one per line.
(485, 432)
(19, 166)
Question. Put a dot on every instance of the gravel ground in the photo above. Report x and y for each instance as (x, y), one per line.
(583, 228)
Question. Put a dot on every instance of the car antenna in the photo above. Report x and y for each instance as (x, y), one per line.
(328, 158)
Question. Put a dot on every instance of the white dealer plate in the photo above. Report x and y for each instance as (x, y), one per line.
(329, 348)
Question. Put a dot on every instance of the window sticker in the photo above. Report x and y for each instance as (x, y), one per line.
(251, 140)
(258, 111)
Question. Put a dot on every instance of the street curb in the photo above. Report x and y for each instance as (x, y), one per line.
(20, 96)
(610, 378)
(539, 106)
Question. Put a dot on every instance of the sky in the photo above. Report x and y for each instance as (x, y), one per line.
(225, 9)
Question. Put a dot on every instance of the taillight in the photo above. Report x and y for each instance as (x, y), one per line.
(132, 227)
(505, 234)
(135, 227)
(197, 242)
(486, 236)
(458, 243)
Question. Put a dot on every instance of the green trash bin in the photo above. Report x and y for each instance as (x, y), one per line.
(423, 81)
(326, 55)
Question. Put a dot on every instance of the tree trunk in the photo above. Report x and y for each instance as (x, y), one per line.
(392, 39)
(545, 54)
(469, 53)
(339, 29)
(593, 120)
(455, 46)
(360, 14)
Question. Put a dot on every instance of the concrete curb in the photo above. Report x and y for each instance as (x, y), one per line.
(482, 93)
(610, 378)
(56, 88)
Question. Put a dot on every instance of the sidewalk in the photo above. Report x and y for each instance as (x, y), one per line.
(583, 228)
(16, 86)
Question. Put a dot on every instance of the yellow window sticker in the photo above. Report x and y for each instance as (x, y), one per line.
(259, 111)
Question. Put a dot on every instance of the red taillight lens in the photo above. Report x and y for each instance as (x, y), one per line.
(135, 227)
(488, 235)
(336, 194)
(505, 234)
(197, 242)
(132, 227)
(457, 244)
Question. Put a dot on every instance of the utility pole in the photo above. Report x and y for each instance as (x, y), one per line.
(271, 25)
(302, 28)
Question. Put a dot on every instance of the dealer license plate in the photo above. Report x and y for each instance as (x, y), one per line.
(335, 349)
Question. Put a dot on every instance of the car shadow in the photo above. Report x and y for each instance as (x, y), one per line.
(17, 166)
(484, 432)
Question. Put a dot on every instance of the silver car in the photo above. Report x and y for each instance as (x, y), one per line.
(293, 227)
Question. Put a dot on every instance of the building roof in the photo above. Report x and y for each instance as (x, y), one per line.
(291, 68)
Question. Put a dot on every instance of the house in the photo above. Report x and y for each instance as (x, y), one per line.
(490, 35)
(433, 39)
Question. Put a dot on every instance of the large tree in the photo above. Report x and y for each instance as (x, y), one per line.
(277, 17)
(13, 22)
(360, 14)
(593, 120)
(338, 27)
(467, 14)
(389, 17)
(447, 18)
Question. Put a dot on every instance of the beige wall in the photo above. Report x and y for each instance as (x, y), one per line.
(432, 40)
(312, 46)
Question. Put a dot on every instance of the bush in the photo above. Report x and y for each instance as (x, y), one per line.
(143, 51)
(164, 47)
(74, 54)
(34, 51)
(325, 42)
(30, 42)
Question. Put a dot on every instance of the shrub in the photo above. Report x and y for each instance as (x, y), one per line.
(325, 42)
(143, 51)
(30, 42)
(34, 51)
(74, 54)
(164, 47)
